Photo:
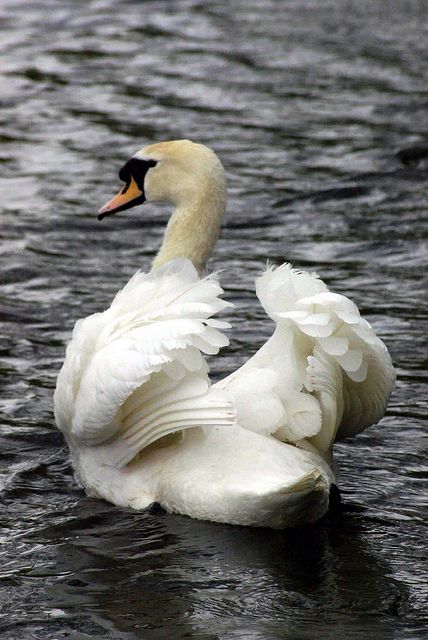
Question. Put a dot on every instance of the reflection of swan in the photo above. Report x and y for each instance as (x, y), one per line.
(134, 400)
(172, 577)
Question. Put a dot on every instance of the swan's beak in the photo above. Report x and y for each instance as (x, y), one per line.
(128, 197)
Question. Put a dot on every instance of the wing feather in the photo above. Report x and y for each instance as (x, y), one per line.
(136, 372)
(349, 368)
(333, 374)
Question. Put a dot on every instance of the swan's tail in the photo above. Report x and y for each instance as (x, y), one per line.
(302, 501)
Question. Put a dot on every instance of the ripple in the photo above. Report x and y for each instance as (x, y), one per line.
(318, 112)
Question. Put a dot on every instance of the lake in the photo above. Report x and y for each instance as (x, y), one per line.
(319, 112)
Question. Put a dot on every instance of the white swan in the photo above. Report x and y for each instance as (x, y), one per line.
(134, 400)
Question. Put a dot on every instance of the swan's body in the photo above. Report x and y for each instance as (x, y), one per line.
(134, 398)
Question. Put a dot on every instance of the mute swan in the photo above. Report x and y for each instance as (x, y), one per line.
(134, 399)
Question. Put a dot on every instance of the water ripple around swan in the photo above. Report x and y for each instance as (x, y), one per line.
(319, 113)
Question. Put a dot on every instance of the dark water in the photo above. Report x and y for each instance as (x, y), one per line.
(319, 111)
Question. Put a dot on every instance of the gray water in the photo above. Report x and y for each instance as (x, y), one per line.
(319, 111)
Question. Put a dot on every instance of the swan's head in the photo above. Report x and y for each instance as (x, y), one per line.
(177, 171)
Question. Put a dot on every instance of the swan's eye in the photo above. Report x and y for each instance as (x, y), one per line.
(137, 169)
(133, 174)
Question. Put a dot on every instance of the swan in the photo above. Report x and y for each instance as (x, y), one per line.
(134, 400)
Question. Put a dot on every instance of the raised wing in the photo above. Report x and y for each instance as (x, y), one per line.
(135, 373)
(327, 375)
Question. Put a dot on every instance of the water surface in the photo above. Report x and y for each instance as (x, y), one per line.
(319, 112)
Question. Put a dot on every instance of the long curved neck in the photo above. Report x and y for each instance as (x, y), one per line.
(194, 228)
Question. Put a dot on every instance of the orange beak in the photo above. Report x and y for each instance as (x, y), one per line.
(128, 197)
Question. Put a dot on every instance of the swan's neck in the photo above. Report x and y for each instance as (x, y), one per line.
(194, 227)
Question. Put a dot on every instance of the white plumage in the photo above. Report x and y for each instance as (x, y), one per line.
(341, 374)
(135, 402)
